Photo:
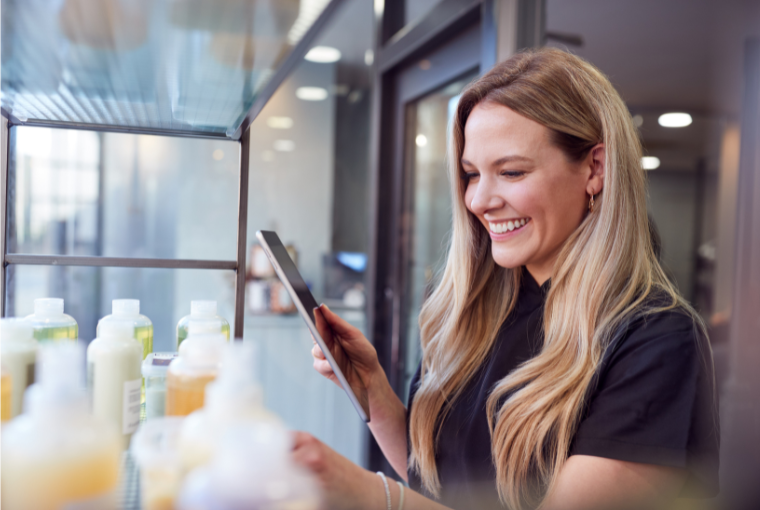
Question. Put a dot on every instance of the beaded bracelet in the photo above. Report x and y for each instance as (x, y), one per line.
(387, 489)
(401, 496)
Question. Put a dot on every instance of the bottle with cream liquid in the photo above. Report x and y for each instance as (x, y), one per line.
(113, 375)
(196, 366)
(6, 396)
(129, 310)
(18, 350)
(49, 322)
(56, 455)
(201, 310)
(234, 397)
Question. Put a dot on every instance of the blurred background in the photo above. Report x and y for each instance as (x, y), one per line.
(131, 138)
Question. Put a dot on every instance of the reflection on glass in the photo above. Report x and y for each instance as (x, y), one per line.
(150, 196)
(431, 206)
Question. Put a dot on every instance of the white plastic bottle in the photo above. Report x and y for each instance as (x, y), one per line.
(49, 322)
(234, 397)
(154, 448)
(251, 470)
(196, 366)
(113, 374)
(56, 455)
(129, 310)
(201, 310)
(18, 350)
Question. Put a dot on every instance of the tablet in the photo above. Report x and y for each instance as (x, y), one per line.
(305, 303)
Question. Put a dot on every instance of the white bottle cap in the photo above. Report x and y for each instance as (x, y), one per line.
(204, 327)
(116, 328)
(203, 308)
(60, 379)
(125, 307)
(14, 330)
(203, 350)
(237, 384)
(48, 306)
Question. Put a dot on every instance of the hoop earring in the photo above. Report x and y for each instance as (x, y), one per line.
(591, 204)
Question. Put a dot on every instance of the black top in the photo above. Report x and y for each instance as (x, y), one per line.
(653, 403)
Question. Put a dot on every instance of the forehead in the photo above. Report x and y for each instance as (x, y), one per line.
(493, 129)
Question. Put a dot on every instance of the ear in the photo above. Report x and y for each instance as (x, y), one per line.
(596, 161)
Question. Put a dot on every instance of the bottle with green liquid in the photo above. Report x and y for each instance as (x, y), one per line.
(129, 310)
(49, 322)
(201, 311)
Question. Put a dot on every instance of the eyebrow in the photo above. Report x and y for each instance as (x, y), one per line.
(502, 160)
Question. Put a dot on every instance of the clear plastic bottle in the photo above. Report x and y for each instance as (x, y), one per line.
(57, 455)
(49, 322)
(129, 309)
(18, 350)
(196, 366)
(154, 370)
(114, 378)
(200, 311)
(154, 448)
(251, 470)
(234, 397)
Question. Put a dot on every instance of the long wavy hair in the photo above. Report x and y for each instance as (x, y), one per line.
(605, 271)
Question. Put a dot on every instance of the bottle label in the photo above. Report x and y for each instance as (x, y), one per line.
(163, 358)
(131, 412)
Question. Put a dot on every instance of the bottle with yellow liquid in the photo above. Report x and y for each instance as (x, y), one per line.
(56, 455)
(196, 366)
(6, 394)
(199, 311)
(49, 322)
(129, 310)
(18, 350)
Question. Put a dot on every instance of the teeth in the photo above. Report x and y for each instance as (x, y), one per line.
(510, 226)
(500, 228)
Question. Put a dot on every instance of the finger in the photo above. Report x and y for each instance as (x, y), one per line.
(300, 438)
(337, 323)
(316, 351)
(323, 327)
(323, 368)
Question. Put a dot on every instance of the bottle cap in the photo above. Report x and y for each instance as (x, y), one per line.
(48, 306)
(14, 330)
(203, 350)
(125, 307)
(203, 308)
(116, 328)
(204, 327)
(60, 379)
(237, 385)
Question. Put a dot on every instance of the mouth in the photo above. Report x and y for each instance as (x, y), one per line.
(502, 228)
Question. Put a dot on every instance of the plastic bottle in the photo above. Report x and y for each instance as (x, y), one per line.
(6, 394)
(18, 350)
(129, 309)
(50, 323)
(154, 375)
(154, 448)
(196, 366)
(201, 310)
(234, 397)
(251, 470)
(113, 375)
(57, 455)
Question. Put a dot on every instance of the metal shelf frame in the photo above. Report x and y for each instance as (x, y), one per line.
(241, 135)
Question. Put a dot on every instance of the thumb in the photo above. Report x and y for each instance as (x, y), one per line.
(337, 324)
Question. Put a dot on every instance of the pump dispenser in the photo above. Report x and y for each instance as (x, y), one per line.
(252, 469)
(56, 454)
(196, 366)
(129, 310)
(234, 397)
(114, 361)
(201, 310)
(50, 323)
(18, 350)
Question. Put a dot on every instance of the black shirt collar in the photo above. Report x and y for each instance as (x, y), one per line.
(531, 294)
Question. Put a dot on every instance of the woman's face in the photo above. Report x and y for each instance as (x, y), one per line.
(523, 189)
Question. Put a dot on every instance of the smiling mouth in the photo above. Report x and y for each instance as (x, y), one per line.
(502, 227)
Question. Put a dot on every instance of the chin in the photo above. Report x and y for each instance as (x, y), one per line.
(508, 260)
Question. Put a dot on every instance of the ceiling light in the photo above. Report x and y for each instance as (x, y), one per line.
(284, 145)
(369, 57)
(323, 54)
(421, 140)
(674, 120)
(638, 120)
(650, 162)
(218, 154)
(280, 122)
(311, 93)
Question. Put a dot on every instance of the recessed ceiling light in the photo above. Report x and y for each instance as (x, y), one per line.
(280, 122)
(323, 54)
(218, 154)
(421, 140)
(650, 162)
(311, 93)
(284, 145)
(369, 57)
(674, 120)
(638, 120)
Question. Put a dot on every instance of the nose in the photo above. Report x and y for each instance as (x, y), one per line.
(485, 197)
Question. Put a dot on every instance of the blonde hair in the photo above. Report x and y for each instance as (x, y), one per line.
(603, 274)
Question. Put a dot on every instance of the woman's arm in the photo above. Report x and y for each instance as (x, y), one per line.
(596, 483)
(387, 413)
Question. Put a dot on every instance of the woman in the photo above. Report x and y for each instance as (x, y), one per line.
(560, 367)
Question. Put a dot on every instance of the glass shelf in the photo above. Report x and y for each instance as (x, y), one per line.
(183, 66)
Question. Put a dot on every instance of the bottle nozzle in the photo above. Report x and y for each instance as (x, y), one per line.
(203, 308)
(48, 306)
(125, 307)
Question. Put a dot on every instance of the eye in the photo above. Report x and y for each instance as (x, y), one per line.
(468, 176)
(512, 173)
